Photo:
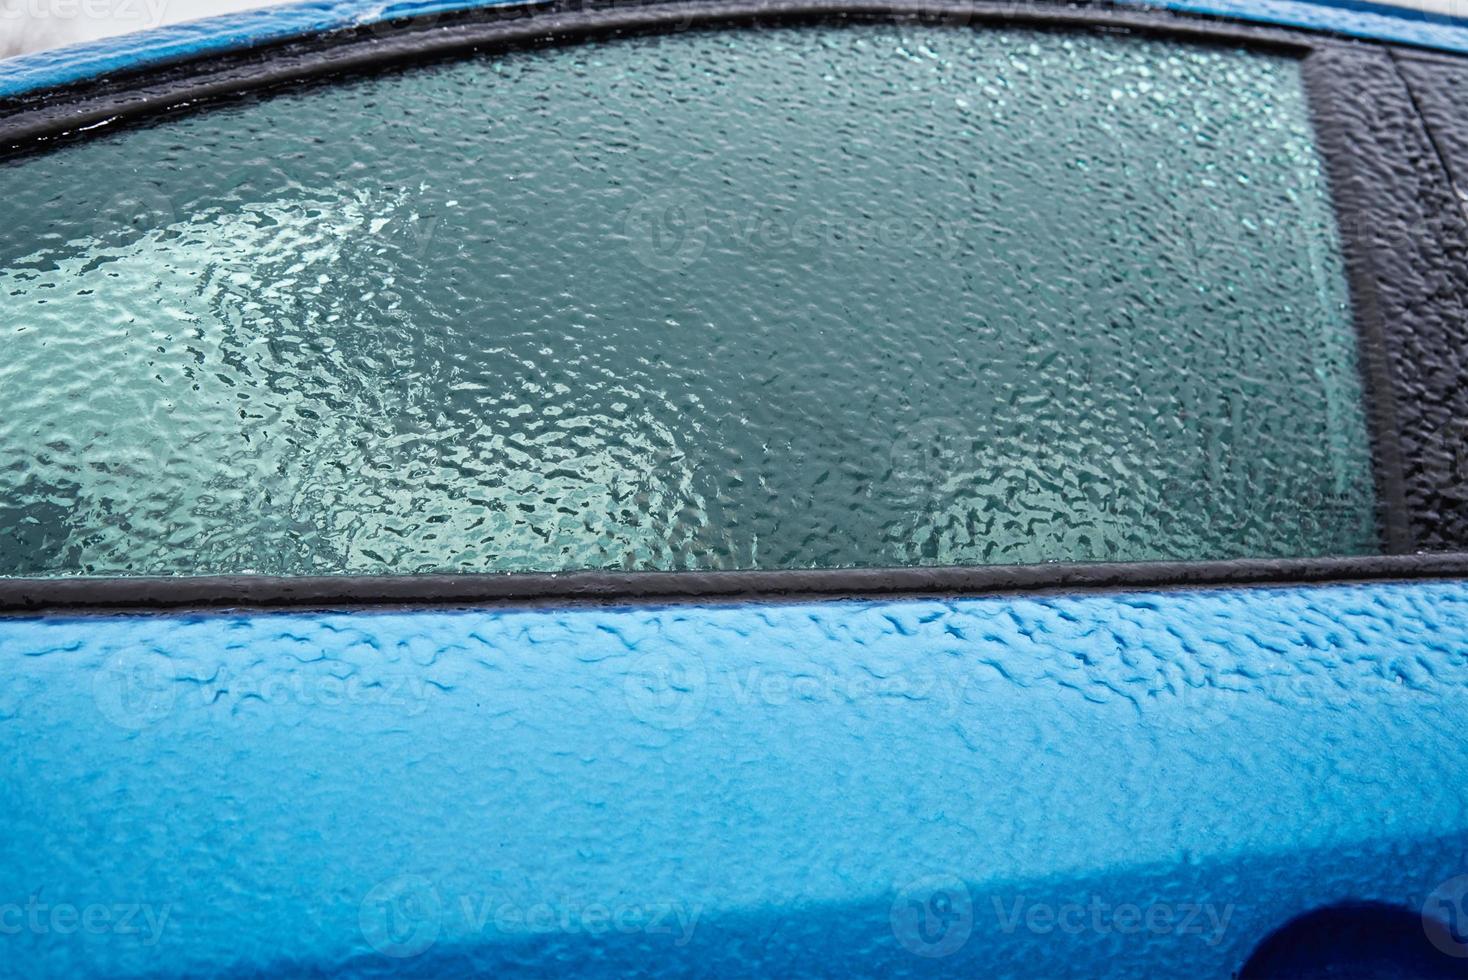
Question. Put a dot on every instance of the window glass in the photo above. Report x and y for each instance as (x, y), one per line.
(754, 299)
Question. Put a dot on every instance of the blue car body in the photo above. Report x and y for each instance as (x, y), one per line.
(733, 790)
(1112, 783)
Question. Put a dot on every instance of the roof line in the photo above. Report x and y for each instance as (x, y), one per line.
(178, 42)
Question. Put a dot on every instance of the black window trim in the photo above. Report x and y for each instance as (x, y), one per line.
(1353, 136)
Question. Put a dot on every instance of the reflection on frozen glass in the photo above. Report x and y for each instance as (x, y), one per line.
(816, 297)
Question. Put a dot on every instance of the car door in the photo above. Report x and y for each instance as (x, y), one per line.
(735, 488)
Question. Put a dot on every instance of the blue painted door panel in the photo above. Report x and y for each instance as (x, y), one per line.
(1111, 785)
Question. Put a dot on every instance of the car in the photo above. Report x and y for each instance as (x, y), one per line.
(744, 487)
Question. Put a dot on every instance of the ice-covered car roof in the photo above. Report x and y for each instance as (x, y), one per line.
(1425, 23)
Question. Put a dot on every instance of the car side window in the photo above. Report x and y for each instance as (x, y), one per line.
(674, 303)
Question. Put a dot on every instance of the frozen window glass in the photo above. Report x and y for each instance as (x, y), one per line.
(799, 298)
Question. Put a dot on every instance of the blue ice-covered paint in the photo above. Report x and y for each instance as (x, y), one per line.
(175, 42)
(843, 787)
(75, 63)
(1364, 20)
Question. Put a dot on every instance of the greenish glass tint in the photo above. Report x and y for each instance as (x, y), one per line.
(808, 297)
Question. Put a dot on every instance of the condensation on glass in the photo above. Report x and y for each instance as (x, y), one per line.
(797, 298)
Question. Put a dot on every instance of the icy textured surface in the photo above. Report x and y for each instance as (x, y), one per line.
(305, 792)
(37, 72)
(794, 298)
(1437, 86)
(1395, 176)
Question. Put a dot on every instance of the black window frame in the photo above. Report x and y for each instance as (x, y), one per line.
(1403, 227)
